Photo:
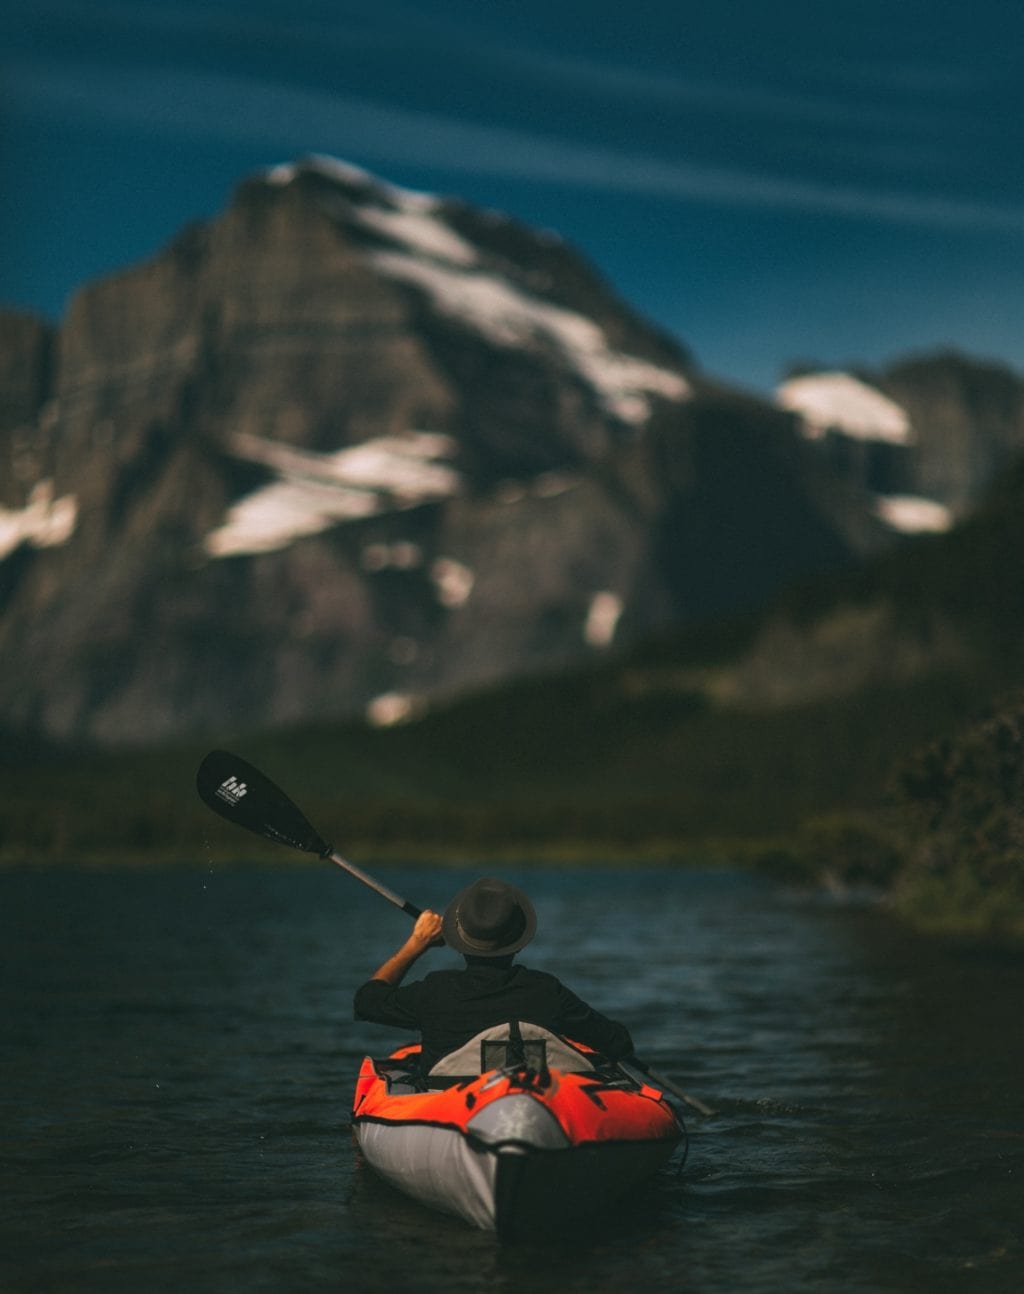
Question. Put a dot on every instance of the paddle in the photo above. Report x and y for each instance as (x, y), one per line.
(634, 1062)
(237, 791)
(245, 796)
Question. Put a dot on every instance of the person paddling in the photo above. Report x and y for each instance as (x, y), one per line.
(489, 922)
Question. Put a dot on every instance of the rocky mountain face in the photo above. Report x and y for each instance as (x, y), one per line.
(969, 420)
(929, 435)
(346, 448)
(26, 349)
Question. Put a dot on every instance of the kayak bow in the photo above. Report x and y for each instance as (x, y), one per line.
(513, 1150)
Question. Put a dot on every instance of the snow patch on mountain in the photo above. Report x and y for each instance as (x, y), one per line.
(453, 582)
(839, 402)
(403, 216)
(509, 317)
(428, 253)
(44, 522)
(402, 555)
(421, 231)
(390, 708)
(317, 491)
(912, 515)
(602, 619)
(331, 167)
(350, 177)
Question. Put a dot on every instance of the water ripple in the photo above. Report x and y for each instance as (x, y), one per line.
(180, 1054)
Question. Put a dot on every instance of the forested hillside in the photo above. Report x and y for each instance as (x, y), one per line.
(899, 769)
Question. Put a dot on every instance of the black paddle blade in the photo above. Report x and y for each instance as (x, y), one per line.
(247, 797)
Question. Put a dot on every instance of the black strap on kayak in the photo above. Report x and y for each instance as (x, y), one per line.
(514, 1052)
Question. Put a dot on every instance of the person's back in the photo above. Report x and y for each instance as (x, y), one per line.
(489, 922)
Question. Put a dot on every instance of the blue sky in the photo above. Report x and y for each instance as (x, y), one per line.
(834, 182)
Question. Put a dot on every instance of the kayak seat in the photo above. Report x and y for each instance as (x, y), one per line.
(515, 1044)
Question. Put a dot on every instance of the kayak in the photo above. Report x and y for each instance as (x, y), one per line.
(518, 1148)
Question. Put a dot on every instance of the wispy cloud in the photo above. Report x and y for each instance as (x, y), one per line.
(285, 117)
(688, 89)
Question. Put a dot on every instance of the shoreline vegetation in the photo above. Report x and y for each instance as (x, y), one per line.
(930, 824)
(864, 733)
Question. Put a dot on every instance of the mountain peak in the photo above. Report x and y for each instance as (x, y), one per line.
(347, 441)
(446, 252)
(357, 181)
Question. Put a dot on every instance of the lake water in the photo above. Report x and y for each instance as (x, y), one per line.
(179, 1055)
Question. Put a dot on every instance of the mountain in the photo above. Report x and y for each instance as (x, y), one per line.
(664, 748)
(971, 420)
(346, 448)
(929, 434)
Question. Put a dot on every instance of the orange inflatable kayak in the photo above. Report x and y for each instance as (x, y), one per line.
(518, 1148)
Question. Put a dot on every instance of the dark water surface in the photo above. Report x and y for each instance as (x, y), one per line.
(179, 1055)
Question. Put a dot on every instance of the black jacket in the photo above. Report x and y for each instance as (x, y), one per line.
(449, 1007)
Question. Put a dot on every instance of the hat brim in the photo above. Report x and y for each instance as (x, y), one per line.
(453, 936)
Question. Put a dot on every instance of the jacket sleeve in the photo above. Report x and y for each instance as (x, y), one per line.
(385, 1003)
(582, 1023)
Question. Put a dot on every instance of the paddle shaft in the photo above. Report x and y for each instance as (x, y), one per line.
(667, 1083)
(413, 911)
(669, 1086)
(409, 908)
(237, 791)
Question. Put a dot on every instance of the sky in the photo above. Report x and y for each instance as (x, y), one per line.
(836, 183)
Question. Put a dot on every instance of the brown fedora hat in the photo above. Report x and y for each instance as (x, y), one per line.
(489, 918)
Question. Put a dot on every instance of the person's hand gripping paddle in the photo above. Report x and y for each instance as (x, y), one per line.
(237, 791)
